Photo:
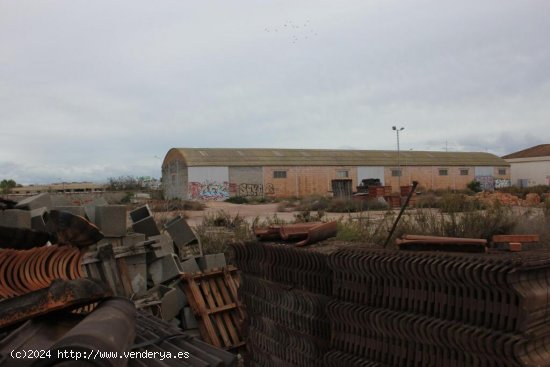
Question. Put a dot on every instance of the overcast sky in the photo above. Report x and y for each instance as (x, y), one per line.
(97, 89)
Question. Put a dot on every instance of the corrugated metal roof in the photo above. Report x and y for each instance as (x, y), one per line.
(542, 150)
(327, 157)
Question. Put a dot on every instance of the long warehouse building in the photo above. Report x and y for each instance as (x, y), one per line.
(219, 173)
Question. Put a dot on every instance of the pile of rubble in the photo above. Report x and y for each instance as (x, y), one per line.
(74, 259)
(487, 197)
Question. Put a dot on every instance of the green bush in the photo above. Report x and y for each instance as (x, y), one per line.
(333, 205)
(237, 200)
(453, 203)
(474, 185)
(497, 219)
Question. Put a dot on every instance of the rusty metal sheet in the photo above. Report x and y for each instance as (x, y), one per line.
(72, 229)
(61, 294)
(304, 233)
(319, 233)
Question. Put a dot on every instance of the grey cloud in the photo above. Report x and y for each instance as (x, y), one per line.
(90, 90)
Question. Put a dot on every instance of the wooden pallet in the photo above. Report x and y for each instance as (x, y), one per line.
(213, 299)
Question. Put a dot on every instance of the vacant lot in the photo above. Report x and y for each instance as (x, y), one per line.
(261, 211)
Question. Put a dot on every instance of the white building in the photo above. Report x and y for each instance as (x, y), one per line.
(530, 167)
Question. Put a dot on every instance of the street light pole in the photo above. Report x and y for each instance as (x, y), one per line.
(398, 160)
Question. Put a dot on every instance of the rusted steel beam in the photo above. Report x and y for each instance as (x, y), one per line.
(319, 233)
(61, 294)
(445, 239)
(305, 233)
(523, 238)
(440, 245)
(394, 226)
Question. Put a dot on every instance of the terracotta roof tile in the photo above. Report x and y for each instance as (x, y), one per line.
(542, 150)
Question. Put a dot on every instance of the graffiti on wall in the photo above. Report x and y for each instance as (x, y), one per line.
(246, 189)
(208, 190)
(487, 182)
(501, 183)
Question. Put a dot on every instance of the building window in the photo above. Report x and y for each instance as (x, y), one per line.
(396, 172)
(464, 172)
(502, 171)
(443, 172)
(173, 179)
(279, 174)
(342, 174)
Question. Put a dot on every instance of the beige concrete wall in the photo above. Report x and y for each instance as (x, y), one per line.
(535, 170)
(303, 181)
(428, 177)
(174, 179)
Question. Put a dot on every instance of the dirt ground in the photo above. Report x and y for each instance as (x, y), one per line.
(250, 212)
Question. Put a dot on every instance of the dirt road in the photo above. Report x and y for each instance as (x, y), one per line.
(263, 211)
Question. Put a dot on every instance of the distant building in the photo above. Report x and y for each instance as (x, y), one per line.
(216, 174)
(531, 166)
(63, 187)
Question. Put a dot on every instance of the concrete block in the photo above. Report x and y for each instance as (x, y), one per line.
(163, 245)
(35, 202)
(180, 231)
(132, 239)
(182, 298)
(164, 269)
(166, 297)
(100, 201)
(190, 266)
(170, 305)
(92, 265)
(147, 226)
(190, 250)
(212, 261)
(132, 265)
(73, 209)
(193, 333)
(60, 200)
(188, 320)
(38, 221)
(89, 210)
(174, 322)
(111, 220)
(140, 213)
(109, 268)
(115, 241)
(16, 218)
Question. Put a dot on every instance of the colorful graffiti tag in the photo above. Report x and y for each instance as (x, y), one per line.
(208, 190)
(246, 189)
(220, 191)
(487, 182)
(501, 183)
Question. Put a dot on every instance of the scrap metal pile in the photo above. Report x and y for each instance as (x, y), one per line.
(396, 307)
(59, 271)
